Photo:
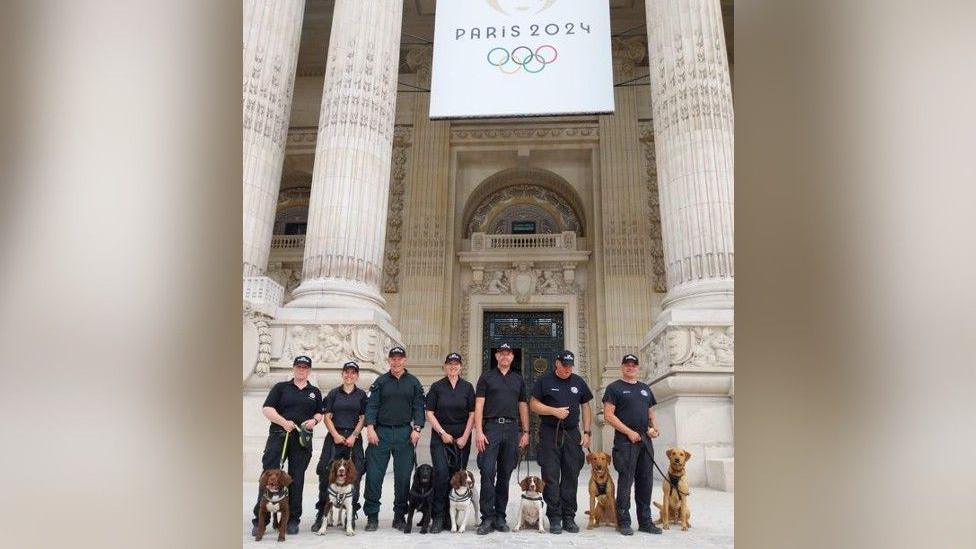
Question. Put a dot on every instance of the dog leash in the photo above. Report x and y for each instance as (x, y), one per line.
(646, 442)
(301, 442)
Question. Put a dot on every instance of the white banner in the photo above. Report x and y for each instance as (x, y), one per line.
(496, 58)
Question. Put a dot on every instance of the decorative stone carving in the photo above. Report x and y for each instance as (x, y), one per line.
(540, 197)
(693, 346)
(402, 136)
(590, 132)
(332, 344)
(547, 283)
(498, 284)
(654, 208)
(288, 276)
(262, 324)
(628, 52)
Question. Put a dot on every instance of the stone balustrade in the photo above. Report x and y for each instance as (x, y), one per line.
(483, 242)
(288, 241)
(263, 293)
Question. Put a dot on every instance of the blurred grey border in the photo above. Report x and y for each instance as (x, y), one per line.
(120, 273)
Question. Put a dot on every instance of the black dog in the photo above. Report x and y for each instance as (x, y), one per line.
(420, 498)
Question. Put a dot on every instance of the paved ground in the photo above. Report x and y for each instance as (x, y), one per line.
(711, 526)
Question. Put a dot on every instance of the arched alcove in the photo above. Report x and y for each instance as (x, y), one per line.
(523, 195)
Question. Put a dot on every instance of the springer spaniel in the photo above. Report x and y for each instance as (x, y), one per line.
(274, 499)
(530, 509)
(463, 499)
(338, 508)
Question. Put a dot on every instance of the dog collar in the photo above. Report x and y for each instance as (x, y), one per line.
(454, 496)
(530, 498)
(274, 498)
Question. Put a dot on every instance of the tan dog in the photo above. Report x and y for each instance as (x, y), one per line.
(675, 508)
(603, 507)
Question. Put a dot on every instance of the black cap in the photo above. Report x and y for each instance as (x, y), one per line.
(504, 347)
(351, 366)
(566, 357)
(629, 358)
(452, 357)
(397, 351)
(302, 360)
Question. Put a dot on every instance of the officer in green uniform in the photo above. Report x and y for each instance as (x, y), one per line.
(395, 398)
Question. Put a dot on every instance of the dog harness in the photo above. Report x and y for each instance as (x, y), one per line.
(536, 498)
(339, 497)
(272, 497)
(601, 489)
(673, 481)
(454, 496)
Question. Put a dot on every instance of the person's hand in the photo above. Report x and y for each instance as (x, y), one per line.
(414, 437)
(462, 441)
(339, 439)
(289, 426)
(371, 436)
(309, 424)
(481, 441)
(585, 441)
(634, 437)
(524, 440)
(350, 440)
(561, 413)
(652, 432)
(446, 438)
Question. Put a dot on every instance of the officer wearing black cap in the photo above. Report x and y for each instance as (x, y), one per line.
(394, 419)
(628, 407)
(560, 398)
(450, 412)
(294, 408)
(500, 402)
(343, 411)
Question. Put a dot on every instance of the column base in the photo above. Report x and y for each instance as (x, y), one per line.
(688, 360)
(332, 293)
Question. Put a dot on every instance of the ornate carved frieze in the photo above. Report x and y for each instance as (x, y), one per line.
(588, 132)
(267, 97)
(330, 345)
(691, 346)
(402, 138)
(288, 275)
(628, 53)
(654, 208)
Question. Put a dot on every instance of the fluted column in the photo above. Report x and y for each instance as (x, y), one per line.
(350, 181)
(688, 354)
(272, 29)
(691, 100)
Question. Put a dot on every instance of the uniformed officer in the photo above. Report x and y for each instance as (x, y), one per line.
(343, 411)
(628, 407)
(560, 398)
(500, 398)
(395, 398)
(450, 412)
(291, 406)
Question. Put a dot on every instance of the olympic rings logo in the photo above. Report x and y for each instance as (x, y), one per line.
(522, 58)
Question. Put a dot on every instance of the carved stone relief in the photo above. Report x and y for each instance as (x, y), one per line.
(654, 208)
(331, 344)
(696, 346)
(394, 220)
(544, 199)
(263, 325)
(288, 275)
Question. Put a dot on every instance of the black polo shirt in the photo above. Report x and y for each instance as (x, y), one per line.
(451, 405)
(502, 393)
(345, 407)
(631, 401)
(394, 402)
(554, 391)
(292, 403)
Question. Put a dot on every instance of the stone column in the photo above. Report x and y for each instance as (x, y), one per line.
(343, 262)
(688, 353)
(271, 36)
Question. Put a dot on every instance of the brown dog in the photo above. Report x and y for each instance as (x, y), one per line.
(675, 508)
(603, 507)
(274, 499)
(530, 510)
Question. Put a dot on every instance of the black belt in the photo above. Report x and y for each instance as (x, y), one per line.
(501, 420)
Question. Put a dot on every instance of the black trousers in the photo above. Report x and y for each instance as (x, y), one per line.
(298, 459)
(446, 462)
(496, 464)
(633, 464)
(331, 451)
(561, 459)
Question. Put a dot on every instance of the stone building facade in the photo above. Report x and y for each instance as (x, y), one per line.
(368, 225)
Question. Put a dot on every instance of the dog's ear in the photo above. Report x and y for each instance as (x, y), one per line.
(540, 484)
(669, 452)
(457, 479)
(263, 481)
(524, 484)
(285, 479)
(687, 454)
(609, 459)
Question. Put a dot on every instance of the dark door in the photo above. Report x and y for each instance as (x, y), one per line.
(536, 338)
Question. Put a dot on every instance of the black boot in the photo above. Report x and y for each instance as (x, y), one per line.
(372, 523)
(625, 529)
(501, 526)
(570, 526)
(555, 526)
(649, 529)
(435, 525)
(398, 521)
(485, 527)
(318, 521)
